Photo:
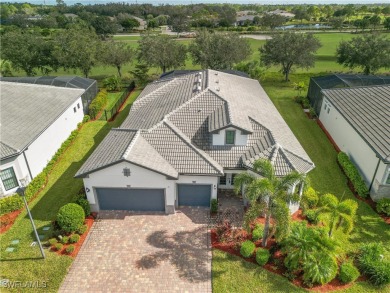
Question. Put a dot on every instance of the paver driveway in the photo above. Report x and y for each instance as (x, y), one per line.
(134, 252)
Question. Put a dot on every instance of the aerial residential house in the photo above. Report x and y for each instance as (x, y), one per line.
(358, 120)
(35, 120)
(185, 138)
(282, 13)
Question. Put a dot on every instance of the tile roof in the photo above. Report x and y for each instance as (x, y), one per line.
(175, 118)
(27, 110)
(367, 110)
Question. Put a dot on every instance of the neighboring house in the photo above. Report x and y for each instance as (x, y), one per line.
(358, 121)
(243, 20)
(35, 120)
(89, 85)
(319, 83)
(71, 16)
(185, 138)
(142, 23)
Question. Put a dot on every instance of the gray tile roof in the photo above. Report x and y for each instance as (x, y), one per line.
(27, 110)
(175, 118)
(367, 110)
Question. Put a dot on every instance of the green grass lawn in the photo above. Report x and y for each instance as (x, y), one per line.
(25, 264)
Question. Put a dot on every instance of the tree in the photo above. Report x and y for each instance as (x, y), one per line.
(77, 48)
(104, 26)
(375, 20)
(386, 23)
(140, 73)
(161, 51)
(179, 23)
(28, 51)
(272, 20)
(253, 68)
(311, 250)
(369, 52)
(336, 22)
(116, 54)
(129, 23)
(218, 50)
(272, 194)
(338, 214)
(290, 49)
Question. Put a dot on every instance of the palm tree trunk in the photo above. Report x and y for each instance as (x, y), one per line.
(266, 228)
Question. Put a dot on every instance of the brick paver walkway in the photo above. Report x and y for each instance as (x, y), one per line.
(134, 252)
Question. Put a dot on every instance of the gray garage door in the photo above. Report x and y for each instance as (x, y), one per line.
(194, 195)
(131, 199)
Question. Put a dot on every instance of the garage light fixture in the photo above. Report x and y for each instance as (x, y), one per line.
(126, 172)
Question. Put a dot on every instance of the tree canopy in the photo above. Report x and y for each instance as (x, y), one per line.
(218, 50)
(369, 52)
(116, 54)
(161, 51)
(290, 49)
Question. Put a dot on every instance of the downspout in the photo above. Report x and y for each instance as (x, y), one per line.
(373, 177)
(28, 166)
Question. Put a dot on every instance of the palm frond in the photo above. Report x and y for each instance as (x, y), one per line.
(265, 168)
(241, 181)
(260, 188)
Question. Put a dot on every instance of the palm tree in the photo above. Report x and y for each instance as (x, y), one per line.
(337, 213)
(271, 191)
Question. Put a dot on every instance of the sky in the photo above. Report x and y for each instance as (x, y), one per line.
(157, 2)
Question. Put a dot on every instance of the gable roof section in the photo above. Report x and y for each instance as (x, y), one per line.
(27, 110)
(367, 110)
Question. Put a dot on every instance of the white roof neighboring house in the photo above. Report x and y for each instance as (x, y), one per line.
(282, 13)
(171, 127)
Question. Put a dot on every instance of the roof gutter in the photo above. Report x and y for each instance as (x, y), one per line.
(373, 177)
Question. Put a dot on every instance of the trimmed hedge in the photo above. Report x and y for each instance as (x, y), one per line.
(214, 205)
(247, 248)
(258, 232)
(348, 272)
(353, 174)
(14, 202)
(70, 217)
(383, 206)
(262, 256)
(83, 202)
(98, 103)
(309, 199)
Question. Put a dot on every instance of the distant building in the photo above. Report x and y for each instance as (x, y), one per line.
(282, 13)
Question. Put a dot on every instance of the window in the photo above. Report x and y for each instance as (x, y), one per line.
(233, 176)
(222, 180)
(230, 136)
(126, 172)
(388, 177)
(78, 105)
(9, 179)
(74, 109)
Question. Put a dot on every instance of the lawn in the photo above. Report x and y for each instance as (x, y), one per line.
(25, 263)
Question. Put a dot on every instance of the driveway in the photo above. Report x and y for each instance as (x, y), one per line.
(138, 252)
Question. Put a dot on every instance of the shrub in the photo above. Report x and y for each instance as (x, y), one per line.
(353, 174)
(262, 256)
(65, 240)
(247, 248)
(10, 203)
(383, 206)
(348, 272)
(258, 232)
(309, 199)
(70, 249)
(53, 241)
(214, 205)
(312, 216)
(112, 83)
(86, 118)
(82, 229)
(74, 238)
(320, 269)
(83, 202)
(372, 264)
(58, 246)
(98, 103)
(305, 103)
(223, 230)
(70, 217)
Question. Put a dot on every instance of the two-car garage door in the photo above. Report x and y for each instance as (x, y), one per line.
(131, 199)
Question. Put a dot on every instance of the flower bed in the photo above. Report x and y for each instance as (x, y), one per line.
(276, 262)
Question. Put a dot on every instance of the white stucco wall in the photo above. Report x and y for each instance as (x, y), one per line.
(45, 146)
(240, 139)
(112, 177)
(350, 142)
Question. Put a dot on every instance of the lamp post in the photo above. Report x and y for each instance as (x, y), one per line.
(20, 191)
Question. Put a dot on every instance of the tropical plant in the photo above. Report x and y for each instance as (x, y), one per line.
(310, 249)
(348, 272)
(272, 192)
(310, 199)
(337, 214)
(262, 256)
(299, 87)
(113, 83)
(247, 248)
(383, 206)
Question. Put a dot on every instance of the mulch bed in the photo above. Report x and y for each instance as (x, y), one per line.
(89, 222)
(276, 265)
(8, 220)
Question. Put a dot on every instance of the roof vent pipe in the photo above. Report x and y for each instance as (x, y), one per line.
(199, 88)
(200, 80)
